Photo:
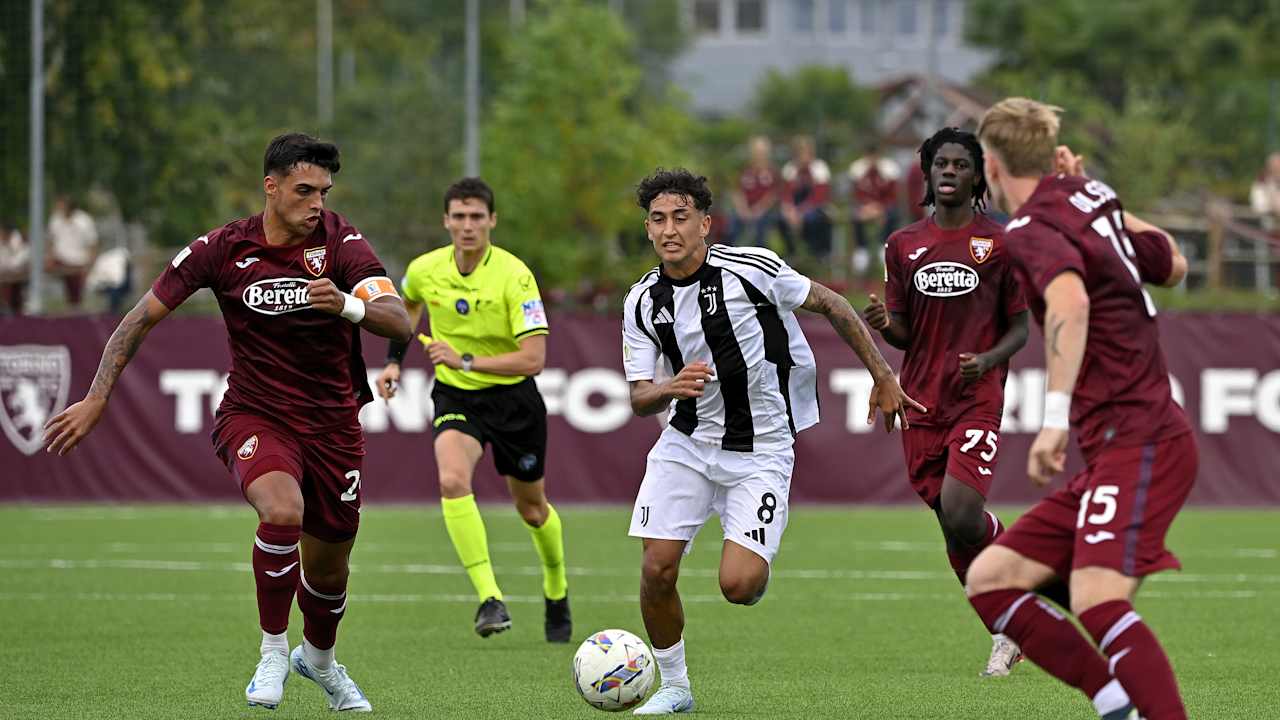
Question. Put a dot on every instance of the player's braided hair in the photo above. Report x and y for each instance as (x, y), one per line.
(677, 181)
(969, 141)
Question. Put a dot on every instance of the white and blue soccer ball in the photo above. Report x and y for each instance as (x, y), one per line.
(613, 670)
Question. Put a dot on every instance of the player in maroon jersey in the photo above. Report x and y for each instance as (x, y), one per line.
(1083, 261)
(953, 306)
(293, 283)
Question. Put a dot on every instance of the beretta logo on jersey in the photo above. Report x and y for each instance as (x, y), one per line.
(946, 279)
(314, 260)
(34, 380)
(277, 296)
(980, 248)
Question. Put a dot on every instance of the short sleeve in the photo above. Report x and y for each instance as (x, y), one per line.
(895, 293)
(639, 348)
(1042, 253)
(1154, 255)
(525, 313)
(411, 285)
(194, 267)
(359, 271)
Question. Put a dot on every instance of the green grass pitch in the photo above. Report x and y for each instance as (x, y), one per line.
(148, 612)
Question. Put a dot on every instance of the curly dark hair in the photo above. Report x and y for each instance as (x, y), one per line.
(969, 141)
(286, 151)
(677, 181)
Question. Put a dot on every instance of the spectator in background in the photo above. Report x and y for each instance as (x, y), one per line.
(874, 181)
(805, 194)
(14, 256)
(915, 192)
(1264, 196)
(755, 201)
(73, 243)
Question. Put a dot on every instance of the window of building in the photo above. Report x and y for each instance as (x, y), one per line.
(941, 17)
(750, 16)
(706, 16)
(838, 17)
(907, 20)
(869, 11)
(802, 16)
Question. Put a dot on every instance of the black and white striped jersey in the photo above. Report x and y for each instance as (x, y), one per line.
(736, 313)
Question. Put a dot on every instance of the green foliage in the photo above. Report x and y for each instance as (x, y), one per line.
(1168, 97)
(564, 149)
(817, 100)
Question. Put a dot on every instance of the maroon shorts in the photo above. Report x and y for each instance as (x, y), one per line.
(1114, 514)
(327, 467)
(966, 451)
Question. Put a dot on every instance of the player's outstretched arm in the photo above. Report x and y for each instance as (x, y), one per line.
(975, 365)
(650, 398)
(1066, 331)
(66, 429)
(887, 395)
(893, 327)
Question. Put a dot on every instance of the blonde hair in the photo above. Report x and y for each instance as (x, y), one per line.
(1024, 133)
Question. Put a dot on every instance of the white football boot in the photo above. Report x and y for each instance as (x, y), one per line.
(341, 691)
(669, 699)
(267, 686)
(1004, 653)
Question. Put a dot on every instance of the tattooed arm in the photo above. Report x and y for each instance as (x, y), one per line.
(1066, 330)
(69, 427)
(887, 396)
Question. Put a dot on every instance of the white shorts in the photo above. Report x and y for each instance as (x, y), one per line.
(685, 480)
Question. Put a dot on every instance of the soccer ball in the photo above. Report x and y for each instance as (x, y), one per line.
(613, 670)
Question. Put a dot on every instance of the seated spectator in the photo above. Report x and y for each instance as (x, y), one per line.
(1264, 196)
(805, 194)
(755, 201)
(73, 243)
(14, 258)
(874, 179)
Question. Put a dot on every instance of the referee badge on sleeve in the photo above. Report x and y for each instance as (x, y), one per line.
(534, 314)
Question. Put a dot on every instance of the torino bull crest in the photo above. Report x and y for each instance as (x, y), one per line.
(34, 380)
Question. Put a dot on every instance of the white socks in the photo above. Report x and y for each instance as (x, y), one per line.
(319, 659)
(1110, 698)
(671, 664)
(275, 643)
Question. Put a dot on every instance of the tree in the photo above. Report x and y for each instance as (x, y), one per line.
(820, 101)
(568, 136)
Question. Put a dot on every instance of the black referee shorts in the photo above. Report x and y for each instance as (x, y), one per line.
(511, 418)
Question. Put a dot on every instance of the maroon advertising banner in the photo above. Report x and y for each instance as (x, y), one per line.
(153, 443)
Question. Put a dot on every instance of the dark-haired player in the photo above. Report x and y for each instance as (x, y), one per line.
(293, 283)
(1083, 260)
(489, 339)
(953, 305)
(743, 383)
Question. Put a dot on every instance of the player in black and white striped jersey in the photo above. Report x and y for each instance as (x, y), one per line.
(743, 383)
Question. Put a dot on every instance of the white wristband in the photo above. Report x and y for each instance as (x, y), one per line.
(1057, 411)
(352, 308)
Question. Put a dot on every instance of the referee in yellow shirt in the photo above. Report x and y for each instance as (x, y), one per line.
(488, 338)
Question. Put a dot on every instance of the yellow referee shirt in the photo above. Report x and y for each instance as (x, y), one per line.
(485, 313)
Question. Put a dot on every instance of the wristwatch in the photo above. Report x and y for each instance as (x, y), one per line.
(467, 359)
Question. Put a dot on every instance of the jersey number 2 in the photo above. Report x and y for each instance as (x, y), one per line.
(1112, 228)
(350, 494)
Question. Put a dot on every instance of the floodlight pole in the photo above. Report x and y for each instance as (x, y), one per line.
(35, 301)
(472, 159)
(324, 62)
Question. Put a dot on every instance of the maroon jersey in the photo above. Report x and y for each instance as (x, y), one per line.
(756, 184)
(296, 364)
(958, 293)
(1122, 396)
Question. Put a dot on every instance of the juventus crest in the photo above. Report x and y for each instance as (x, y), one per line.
(709, 297)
